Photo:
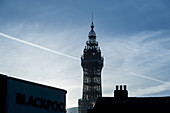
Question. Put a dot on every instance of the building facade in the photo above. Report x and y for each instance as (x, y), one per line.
(20, 96)
(92, 64)
(122, 103)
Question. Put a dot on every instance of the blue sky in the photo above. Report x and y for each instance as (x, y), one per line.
(134, 36)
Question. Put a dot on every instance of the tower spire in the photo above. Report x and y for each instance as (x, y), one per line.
(92, 26)
(92, 32)
(92, 17)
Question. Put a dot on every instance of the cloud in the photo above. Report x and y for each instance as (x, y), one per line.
(151, 90)
(28, 57)
(132, 36)
(38, 46)
(145, 53)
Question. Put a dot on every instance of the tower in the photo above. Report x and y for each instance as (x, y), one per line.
(92, 63)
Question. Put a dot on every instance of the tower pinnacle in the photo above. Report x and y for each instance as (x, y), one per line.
(92, 33)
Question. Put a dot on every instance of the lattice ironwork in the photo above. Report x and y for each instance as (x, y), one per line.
(92, 63)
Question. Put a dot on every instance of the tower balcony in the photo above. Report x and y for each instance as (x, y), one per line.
(91, 63)
(92, 43)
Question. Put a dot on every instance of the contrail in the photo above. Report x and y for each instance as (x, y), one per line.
(37, 46)
(68, 56)
(149, 78)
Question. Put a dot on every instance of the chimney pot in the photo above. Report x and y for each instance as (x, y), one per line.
(124, 87)
(117, 87)
(120, 87)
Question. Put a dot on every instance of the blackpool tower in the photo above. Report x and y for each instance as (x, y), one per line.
(92, 64)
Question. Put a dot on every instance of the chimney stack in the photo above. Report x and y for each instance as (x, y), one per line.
(121, 92)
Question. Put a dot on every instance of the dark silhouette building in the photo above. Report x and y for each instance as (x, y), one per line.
(21, 96)
(92, 63)
(122, 103)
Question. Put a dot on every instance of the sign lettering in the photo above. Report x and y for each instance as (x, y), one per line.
(39, 102)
